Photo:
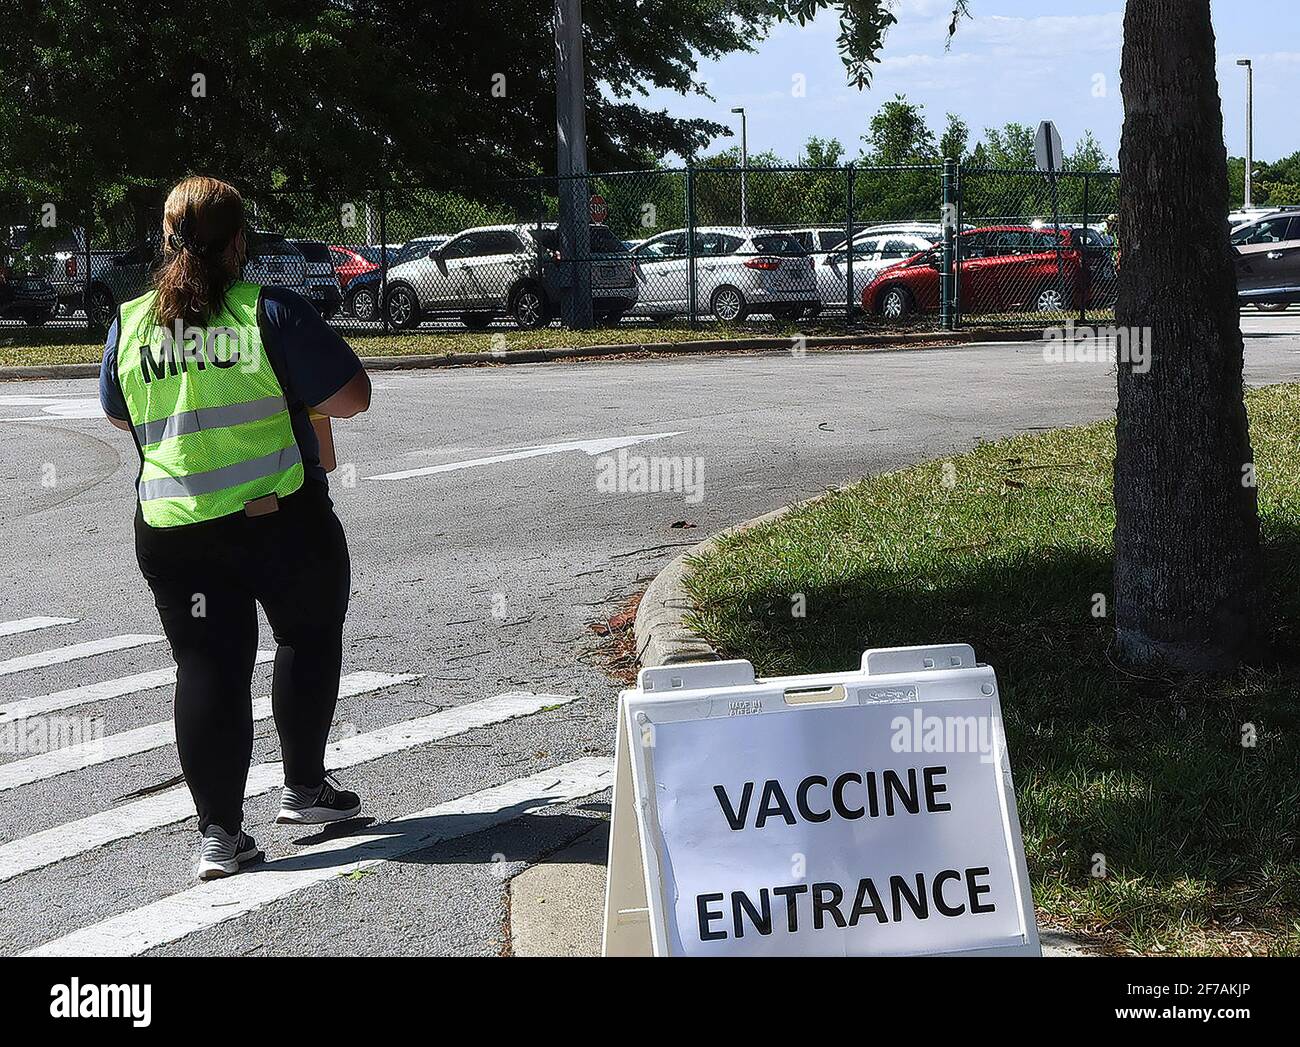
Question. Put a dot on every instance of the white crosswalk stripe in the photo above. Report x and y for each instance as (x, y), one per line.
(99, 691)
(28, 625)
(155, 736)
(174, 805)
(75, 652)
(207, 905)
(193, 909)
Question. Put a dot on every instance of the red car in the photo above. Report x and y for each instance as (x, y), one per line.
(349, 264)
(1004, 268)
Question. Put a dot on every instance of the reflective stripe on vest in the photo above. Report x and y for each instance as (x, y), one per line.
(210, 417)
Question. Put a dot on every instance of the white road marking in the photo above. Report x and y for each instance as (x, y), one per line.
(77, 757)
(76, 651)
(590, 447)
(174, 805)
(54, 407)
(207, 905)
(98, 692)
(27, 625)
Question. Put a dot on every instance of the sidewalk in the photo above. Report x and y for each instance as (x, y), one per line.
(557, 907)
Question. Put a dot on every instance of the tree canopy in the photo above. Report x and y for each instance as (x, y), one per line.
(98, 96)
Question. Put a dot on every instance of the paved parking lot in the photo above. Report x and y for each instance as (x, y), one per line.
(490, 523)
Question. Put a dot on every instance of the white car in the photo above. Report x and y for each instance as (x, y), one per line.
(1246, 215)
(739, 271)
(873, 250)
(513, 270)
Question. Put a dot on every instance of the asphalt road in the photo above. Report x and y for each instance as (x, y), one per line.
(507, 524)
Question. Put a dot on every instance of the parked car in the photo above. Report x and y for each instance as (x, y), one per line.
(365, 290)
(1268, 260)
(513, 270)
(373, 252)
(323, 288)
(1002, 268)
(1247, 215)
(817, 239)
(872, 252)
(349, 263)
(25, 295)
(117, 278)
(58, 256)
(739, 271)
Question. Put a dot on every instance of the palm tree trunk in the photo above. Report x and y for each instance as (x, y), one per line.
(1187, 562)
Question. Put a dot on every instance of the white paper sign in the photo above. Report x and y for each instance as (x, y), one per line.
(810, 834)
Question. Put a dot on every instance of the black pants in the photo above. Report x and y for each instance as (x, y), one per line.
(207, 580)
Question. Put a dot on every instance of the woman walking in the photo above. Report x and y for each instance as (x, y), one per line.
(217, 379)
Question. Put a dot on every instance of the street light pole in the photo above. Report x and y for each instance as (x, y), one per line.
(571, 163)
(744, 165)
(1250, 128)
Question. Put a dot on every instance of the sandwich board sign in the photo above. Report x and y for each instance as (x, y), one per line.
(865, 813)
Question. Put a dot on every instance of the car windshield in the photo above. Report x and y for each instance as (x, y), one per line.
(602, 240)
(313, 251)
(270, 244)
(778, 243)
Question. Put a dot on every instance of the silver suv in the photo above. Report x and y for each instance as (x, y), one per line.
(116, 278)
(511, 270)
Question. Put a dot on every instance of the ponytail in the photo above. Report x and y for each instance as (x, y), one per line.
(201, 219)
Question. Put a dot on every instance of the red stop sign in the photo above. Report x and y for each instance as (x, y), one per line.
(599, 209)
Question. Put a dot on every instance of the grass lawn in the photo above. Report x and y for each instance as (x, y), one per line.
(1005, 548)
(66, 345)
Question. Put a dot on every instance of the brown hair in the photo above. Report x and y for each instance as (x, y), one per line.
(201, 218)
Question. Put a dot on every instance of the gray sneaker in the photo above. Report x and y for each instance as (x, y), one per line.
(317, 806)
(221, 854)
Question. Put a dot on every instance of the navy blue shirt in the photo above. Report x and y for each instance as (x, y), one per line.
(309, 357)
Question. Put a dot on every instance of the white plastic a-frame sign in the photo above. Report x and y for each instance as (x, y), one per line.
(863, 813)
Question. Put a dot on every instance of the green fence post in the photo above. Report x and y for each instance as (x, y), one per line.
(947, 281)
(849, 304)
(1085, 256)
(383, 260)
(692, 304)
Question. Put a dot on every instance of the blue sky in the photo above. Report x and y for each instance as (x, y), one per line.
(1022, 60)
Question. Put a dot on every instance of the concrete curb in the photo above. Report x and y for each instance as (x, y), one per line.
(660, 630)
(929, 340)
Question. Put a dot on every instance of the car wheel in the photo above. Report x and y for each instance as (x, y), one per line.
(529, 307)
(787, 313)
(1049, 300)
(100, 309)
(37, 317)
(897, 304)
(728, 305)
(403, 308)
(363, 303)
(610, 316)
(476, 321)
(1272, 307)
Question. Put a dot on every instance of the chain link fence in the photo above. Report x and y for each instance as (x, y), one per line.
(1034, 248)
(784, 248)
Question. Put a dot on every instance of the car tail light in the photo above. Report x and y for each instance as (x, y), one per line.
(70, 266)
(763, 263)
